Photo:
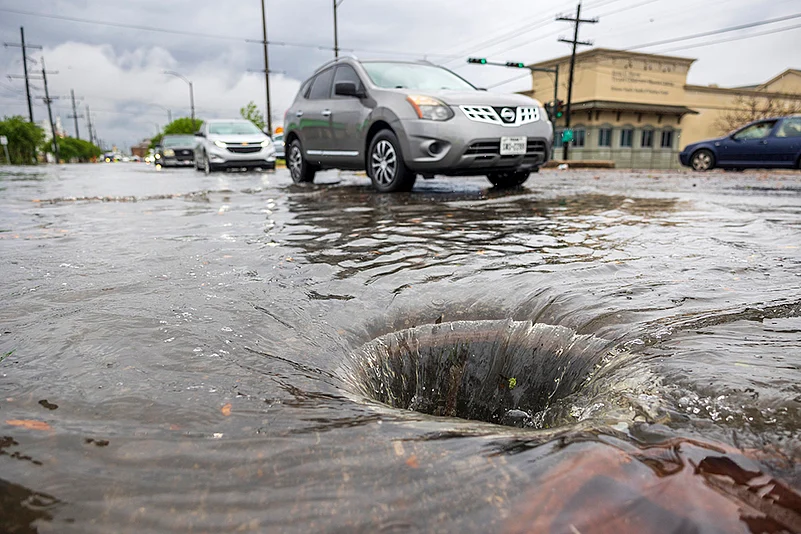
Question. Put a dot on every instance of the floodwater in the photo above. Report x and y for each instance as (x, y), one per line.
(595, 352)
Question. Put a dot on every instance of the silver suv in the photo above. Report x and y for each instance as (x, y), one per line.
(400, 119)
(232, 144)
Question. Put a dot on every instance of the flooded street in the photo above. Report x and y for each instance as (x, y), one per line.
(599, 351)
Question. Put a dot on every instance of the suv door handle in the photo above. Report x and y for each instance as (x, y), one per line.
(326, 113)
(764, 142)
(299, 114)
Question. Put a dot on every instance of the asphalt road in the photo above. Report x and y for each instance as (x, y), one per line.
(598, 350)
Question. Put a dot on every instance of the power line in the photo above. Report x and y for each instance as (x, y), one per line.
(197, 34)
(729, 39)
(715, 32)
(508, 81)
(520, 30)
(551, 34)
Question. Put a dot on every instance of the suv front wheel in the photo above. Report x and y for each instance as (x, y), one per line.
(509, 179)
(299, 168)
(385, 164)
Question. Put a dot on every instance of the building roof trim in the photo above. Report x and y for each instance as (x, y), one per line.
(636, 107)
(609, 52)
(742, 91)
(779, 77)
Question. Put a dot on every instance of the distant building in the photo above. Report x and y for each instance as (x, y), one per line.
(639, 111)
(141, 149)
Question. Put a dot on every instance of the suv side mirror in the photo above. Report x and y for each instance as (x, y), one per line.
(199, 134)
(347, 89)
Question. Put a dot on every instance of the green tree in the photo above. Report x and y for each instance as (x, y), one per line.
(77, 150)
(24, 138)
(752, 108)
(182, 126)
(252, 113)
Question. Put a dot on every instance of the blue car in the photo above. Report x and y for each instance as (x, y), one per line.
(769, 143)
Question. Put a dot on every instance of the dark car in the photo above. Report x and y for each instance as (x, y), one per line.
(769, 143)
(175, 151)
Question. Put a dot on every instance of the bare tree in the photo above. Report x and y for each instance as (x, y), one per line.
(752, 108)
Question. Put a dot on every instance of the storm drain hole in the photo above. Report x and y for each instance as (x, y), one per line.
(504, 372)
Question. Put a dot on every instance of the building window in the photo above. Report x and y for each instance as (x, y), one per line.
(605, 137)
(626, 136)
(557, 138)
(667, 139)
(647, 139)
(579, 136)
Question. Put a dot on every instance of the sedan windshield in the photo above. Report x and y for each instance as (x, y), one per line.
(233, 128)
(178, 140)
(415, 76)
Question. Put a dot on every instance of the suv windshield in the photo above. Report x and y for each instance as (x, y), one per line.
(233, 128)
(414, 76)
(178, 140)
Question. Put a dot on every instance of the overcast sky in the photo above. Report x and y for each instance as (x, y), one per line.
(119, 71)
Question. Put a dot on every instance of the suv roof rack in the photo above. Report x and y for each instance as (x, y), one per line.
(334, 62)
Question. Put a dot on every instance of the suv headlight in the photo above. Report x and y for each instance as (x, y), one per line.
(430, 108)
(169, 152)
(220, 144)
(266, 143)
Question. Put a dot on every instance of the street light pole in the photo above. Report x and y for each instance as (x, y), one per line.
(191, 92)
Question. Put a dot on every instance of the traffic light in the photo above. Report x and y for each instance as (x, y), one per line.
(481, 60)
(560, 108)
(515, 64)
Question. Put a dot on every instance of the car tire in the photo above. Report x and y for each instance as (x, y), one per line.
(299, 167)
(385, 165)
(208, 168)
(702, 160)
(509, 179)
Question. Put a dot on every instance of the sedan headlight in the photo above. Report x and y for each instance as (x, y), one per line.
(168, 152)
(430, 108)
(220, 144)
(266, 142)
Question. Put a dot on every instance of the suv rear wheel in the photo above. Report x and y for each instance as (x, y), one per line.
(506, 180)
(299, 168)
(385, 164)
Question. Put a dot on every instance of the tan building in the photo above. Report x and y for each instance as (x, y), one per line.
(639, 111)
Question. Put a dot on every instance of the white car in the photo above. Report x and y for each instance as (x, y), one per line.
(233, 144)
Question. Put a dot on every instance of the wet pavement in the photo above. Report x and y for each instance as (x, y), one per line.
(603, 351)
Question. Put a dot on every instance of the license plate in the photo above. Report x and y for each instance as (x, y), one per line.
(513, 146)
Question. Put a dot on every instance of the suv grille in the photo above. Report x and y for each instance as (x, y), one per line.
(490, 115)
(244, 149)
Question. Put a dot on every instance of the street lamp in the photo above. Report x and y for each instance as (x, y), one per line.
(191, 92)
(168, 110)
(336, 37)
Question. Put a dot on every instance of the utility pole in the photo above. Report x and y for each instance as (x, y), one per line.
(48, 101)
(25, 67)
(575, 42)
(336, 37)
(266, 68)
(89, 126)
(75, 114)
